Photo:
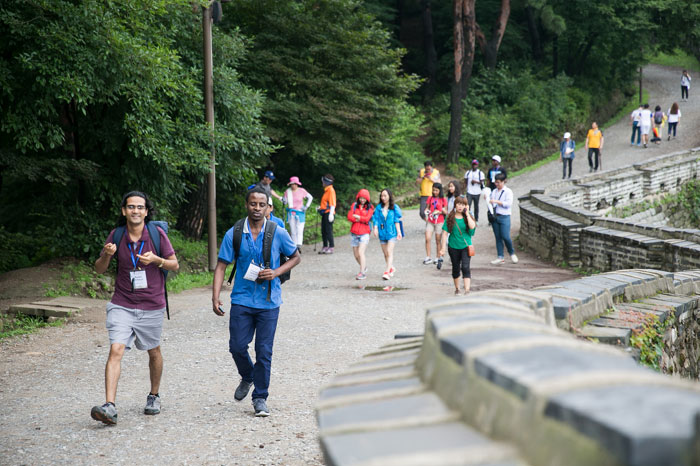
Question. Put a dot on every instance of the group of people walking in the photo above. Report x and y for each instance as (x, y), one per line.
(647, 125)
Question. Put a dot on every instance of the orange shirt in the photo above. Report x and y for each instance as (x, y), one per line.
(594, 138)
(328, 198)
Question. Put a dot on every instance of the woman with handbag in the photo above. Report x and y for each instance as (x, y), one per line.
(461, 227)
(387, 227)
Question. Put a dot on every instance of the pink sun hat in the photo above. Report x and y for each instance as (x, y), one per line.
(294, 180)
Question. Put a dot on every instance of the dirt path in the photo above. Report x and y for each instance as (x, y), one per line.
(50, 380)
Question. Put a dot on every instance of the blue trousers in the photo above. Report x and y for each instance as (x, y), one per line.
(243, 324)
(636, 129)
(501, 230)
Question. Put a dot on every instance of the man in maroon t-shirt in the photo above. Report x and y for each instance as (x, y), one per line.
(135, 313)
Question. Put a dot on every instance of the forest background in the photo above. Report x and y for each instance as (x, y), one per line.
(102, 97)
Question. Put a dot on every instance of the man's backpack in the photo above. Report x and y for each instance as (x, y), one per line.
(155, 238)
(270, 228)
(658, 118)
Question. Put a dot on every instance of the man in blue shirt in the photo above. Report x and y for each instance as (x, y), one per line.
(253, 310)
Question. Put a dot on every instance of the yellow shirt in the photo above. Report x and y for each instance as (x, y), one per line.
(426, 185)
(594, 138)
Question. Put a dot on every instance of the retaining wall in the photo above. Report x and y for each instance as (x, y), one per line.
(560, 222)
(497, 380)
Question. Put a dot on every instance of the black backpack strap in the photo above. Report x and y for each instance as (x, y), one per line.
(155, 239)
(270, 228)
(237, 236)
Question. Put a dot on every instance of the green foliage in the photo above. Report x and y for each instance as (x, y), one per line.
(510, 114)
(650, 341)
(185, 281)
(678, 58)
(687, 201)
(22, 325)
(334, 91)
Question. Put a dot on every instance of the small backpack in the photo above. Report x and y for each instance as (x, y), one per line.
(155, 238)
(658, 118)
(270, 228)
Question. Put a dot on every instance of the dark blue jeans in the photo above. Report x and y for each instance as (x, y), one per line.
(501, 230)
(244, 322)
(636, 129)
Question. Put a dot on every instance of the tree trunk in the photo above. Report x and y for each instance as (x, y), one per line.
(555, 56)
(430, 53)
(535, 42)
(464, 40)
(193, 213)
(490, 48)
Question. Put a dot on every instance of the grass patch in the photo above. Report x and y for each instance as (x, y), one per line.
(186, 281)
(678, 59)
(80, 279)
(23, 325)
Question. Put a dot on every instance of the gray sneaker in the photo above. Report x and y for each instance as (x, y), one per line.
(107, 413)
(152, 404)
(260, 407)
(242, 390)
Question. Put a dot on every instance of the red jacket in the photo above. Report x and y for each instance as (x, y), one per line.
(361, 226)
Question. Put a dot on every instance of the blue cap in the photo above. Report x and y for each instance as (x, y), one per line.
(270, 175)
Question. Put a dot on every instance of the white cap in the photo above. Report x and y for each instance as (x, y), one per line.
(497, 158)
(567, 135)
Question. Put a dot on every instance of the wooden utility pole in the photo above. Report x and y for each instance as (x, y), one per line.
(209, 110)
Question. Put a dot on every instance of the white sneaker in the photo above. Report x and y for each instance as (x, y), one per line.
(498, 261)
(514, 258)
(427, 261)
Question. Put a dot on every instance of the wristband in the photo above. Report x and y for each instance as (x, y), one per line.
(162, 261)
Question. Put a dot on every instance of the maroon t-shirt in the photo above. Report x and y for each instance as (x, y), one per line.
(151, 298)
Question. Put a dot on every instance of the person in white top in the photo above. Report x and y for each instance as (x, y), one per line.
(685, 85)
(635, 116)
(502, 202)
(294, 198)
(674, 117)
(645, 124)
(474, 179)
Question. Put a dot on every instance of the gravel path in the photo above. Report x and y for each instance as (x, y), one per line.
(50, 380)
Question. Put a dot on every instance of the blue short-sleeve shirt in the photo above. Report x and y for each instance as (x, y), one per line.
(246, 292)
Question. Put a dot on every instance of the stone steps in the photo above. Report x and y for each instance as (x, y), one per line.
(61, 307)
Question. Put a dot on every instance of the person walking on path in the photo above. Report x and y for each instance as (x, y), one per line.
(434, 218)
(502, 202)
(135, 312)
(265, 184)
(360, 215)
(387, 227)
(461, 228)
(594, 146)
(452, 194)
(634, 121)
(495, 169)
(566, 153)
(256, 295)
(270, 213)
(674, 117)
(659, 119)
(294, 198)
(474, 180)
(685, 85)
(426, 178)
(645, 124)
(327, 211)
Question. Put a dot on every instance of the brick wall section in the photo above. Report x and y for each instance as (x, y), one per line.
(560, 223)
(494, 381)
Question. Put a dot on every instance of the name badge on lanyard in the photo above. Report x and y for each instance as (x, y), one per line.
(254, 269)
(138, 277)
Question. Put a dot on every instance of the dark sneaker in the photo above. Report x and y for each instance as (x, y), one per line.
(106, 413)
(242, 390)
(260, 407)
(152, 404)
(439, 263)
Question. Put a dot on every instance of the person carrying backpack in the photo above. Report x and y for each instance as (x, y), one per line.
(135, 312)
(659, 119)
(256, 294)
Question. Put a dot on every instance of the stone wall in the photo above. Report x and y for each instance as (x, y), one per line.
(498, 379)
(560, 222)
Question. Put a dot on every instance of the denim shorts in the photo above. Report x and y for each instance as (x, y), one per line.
(358, 239)
(127, 326)
(390, 240)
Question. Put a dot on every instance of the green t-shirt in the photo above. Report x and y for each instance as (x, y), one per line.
(460, 237)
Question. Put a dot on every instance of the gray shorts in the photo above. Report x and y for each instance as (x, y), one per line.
(126, 325)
